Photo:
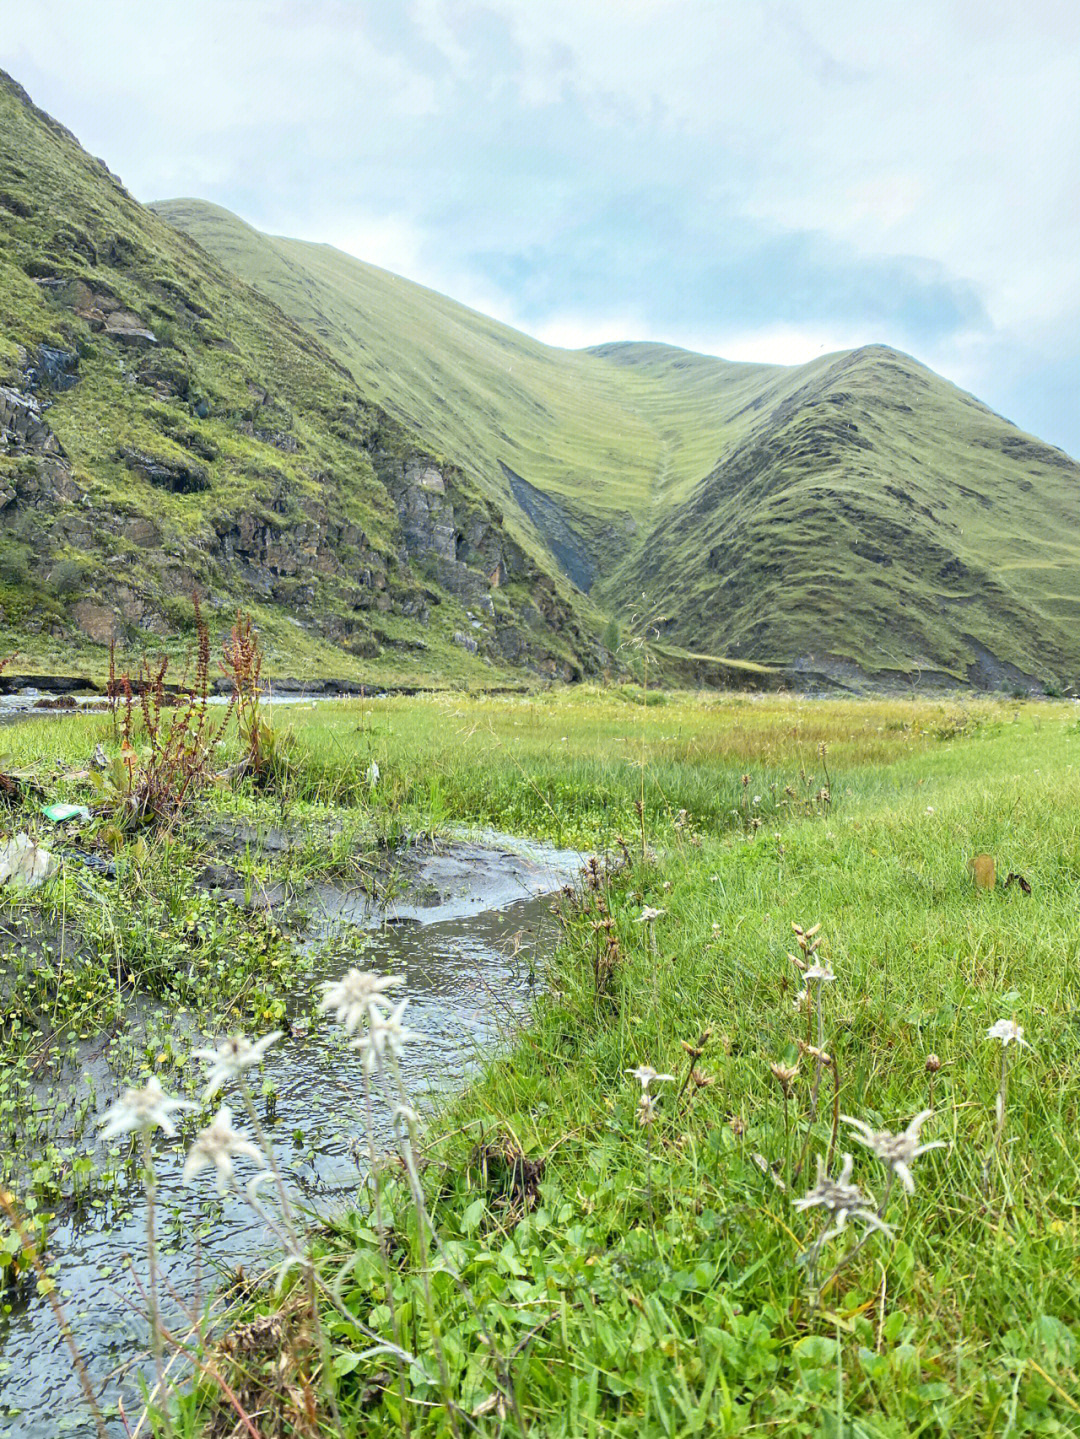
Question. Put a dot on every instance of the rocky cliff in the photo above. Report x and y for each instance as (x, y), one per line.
(165, 431)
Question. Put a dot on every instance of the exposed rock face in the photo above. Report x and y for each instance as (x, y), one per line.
(180, 478)
(428, 524)
(54, 368)
(279, 439)
(129, 329)
(549, 517)
(97, 622)
(21, 423)
(470, 556)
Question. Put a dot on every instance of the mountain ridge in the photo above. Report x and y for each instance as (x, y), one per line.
(855, 465)
(404, 489)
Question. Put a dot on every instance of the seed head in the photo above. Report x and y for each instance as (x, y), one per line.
(785, 1075)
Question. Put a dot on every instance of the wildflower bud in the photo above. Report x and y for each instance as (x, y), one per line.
(646, 1111)
(745, 780)
(700, 1080)
(784, 1074)
(933, 1064)
(738, 1128)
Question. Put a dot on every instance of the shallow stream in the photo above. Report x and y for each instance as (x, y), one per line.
(469, 931)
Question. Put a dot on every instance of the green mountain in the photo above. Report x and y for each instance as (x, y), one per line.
(401, 489)
(166, 429)
(856, 514)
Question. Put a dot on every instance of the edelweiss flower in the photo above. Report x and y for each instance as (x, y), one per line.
(385, 1032)
(232, 1057)
(218, 1145)
(372, 773)
(1008, 1030)
(896, 1151)
(357, 996)
(142, 1109)
(648, 914)
(842, 1199)
(819, 971)
(646, 1110)
(645, 1074)
(802, 999)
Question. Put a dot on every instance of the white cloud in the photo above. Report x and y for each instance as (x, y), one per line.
(432, 136)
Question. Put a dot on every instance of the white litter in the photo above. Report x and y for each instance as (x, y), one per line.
(24, 864)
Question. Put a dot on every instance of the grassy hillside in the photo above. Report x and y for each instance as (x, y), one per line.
(855, 511)
(165, 428)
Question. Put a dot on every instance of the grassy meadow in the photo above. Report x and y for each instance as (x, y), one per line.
(567, 1249)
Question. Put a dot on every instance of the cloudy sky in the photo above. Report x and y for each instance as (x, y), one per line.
(760, 179)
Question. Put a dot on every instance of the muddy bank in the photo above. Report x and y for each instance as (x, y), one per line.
(468, 925)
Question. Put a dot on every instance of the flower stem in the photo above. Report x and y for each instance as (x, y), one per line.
(150, 1180)
(846, 1259)
(384, 1250)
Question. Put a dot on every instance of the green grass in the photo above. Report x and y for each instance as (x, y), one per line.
(651, 1285)
(857, 508)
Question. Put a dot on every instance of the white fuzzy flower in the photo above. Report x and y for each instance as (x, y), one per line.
(820, 971)
(356, 996)
(142, 1109)
(648, 915)
(216, 1147)
(385, 1033)
(842, 1199)
(801, 999)
(645, 1074)
(896, 1151)
(372, 773)
(232, 1057)
(1008, 1031)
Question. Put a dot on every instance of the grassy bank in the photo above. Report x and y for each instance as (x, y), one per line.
(617, 1278)
(595, 1274)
